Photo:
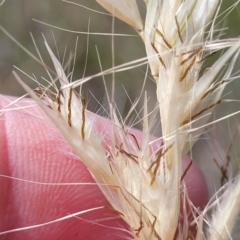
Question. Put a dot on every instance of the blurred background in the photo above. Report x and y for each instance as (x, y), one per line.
(16, 17)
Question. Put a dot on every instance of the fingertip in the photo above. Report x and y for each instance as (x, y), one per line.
(195, 183)
(49, 159)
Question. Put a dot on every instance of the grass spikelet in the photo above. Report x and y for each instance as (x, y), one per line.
(177, 44)
(145, 187)
(225, 212)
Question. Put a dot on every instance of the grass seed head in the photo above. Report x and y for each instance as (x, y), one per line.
(143, 186)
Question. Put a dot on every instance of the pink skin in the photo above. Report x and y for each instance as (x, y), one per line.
(32, 149)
